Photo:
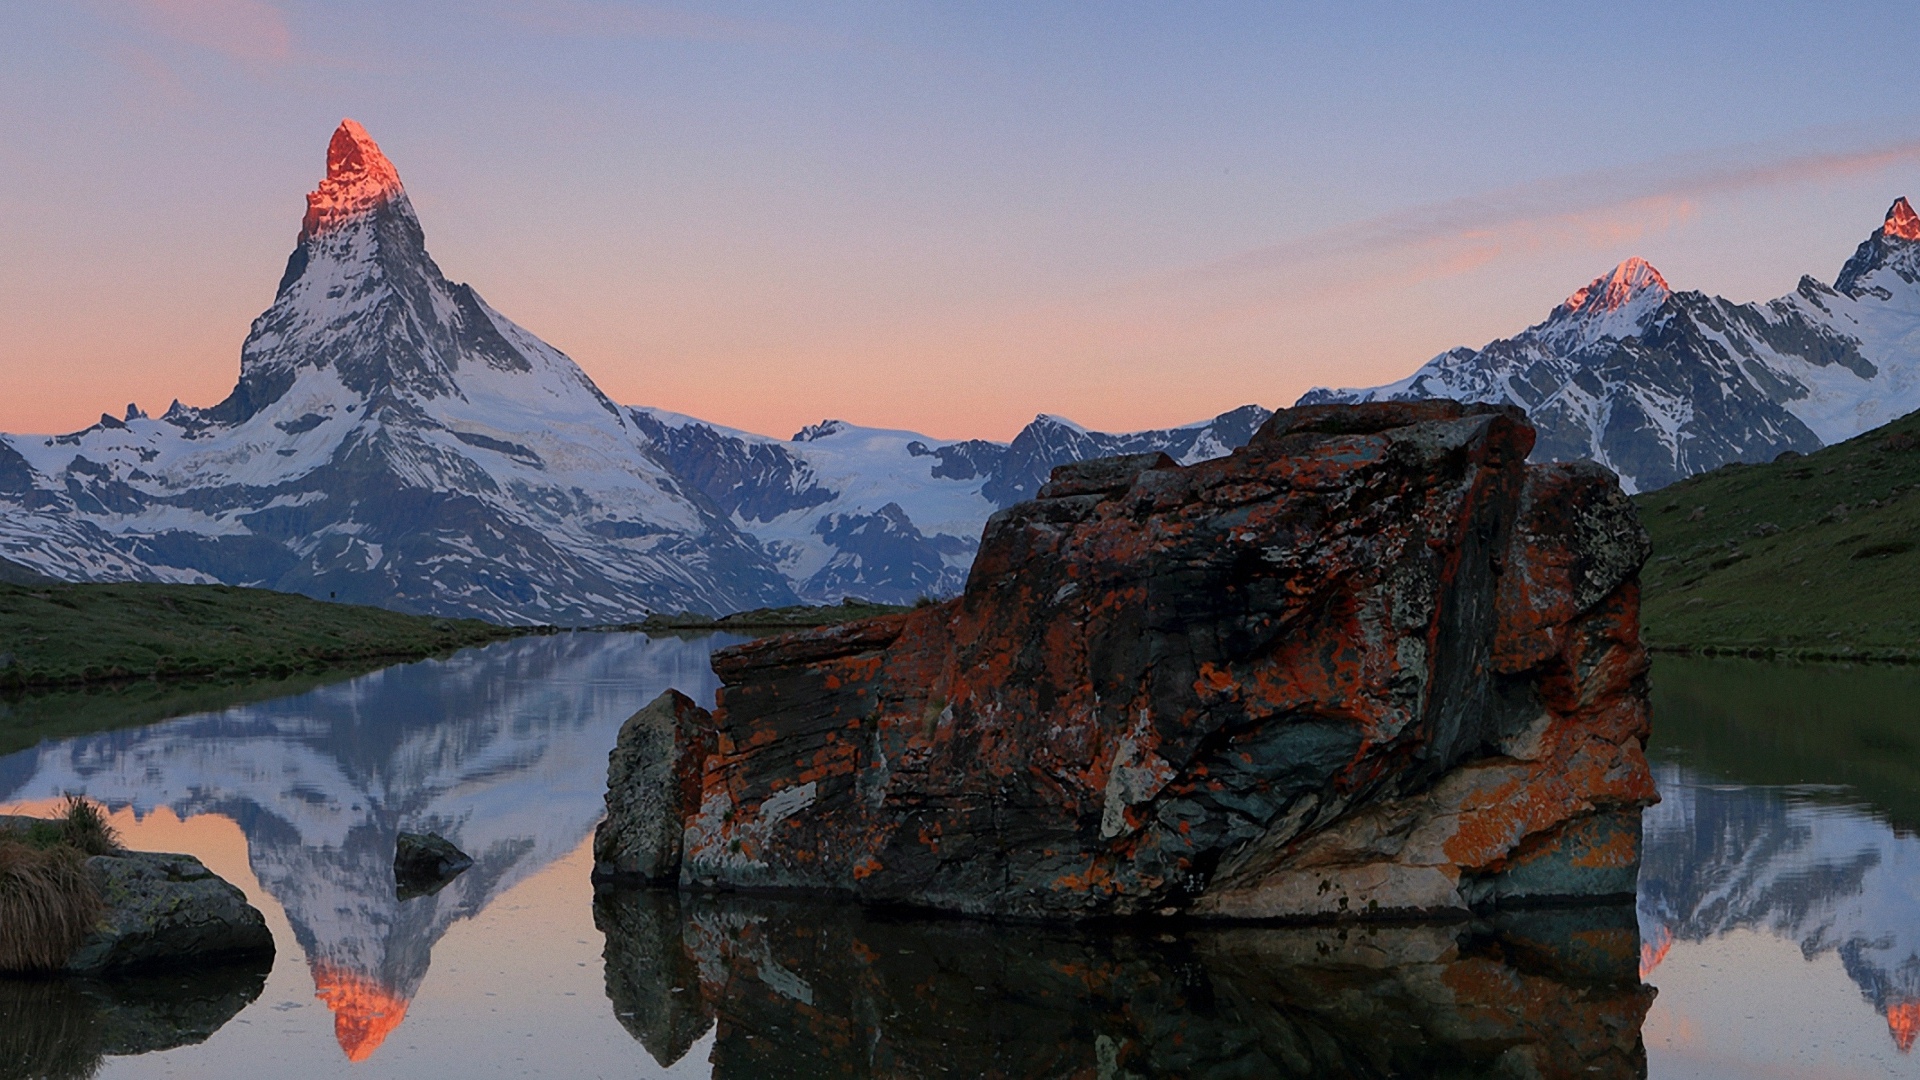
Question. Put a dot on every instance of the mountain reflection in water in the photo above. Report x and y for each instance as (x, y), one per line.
(800, 989)
(1779, 914)
(502, 750)
(1790, 795)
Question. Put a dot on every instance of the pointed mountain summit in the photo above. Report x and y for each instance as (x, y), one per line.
(359, 179)
(1632, 282)
(1892, 246)
(394, 440)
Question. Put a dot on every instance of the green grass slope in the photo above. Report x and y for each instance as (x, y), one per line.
(1812, 556)
(64, 635)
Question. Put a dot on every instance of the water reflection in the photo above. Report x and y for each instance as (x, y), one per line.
(1789, 796)
(796, 989)
(501, 750)
(61, 1028)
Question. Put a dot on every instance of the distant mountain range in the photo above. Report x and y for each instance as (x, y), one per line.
(1659, 385)
(393, 440)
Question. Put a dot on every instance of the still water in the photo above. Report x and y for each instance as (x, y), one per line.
(1777, 929)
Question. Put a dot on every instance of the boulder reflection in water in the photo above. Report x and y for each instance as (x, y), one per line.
(61, 1027)
(816, 989)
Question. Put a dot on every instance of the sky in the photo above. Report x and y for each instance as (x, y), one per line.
(941, 217)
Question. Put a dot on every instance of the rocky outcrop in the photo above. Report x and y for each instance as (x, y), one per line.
(165, 910)
(1371, 663)
(423, 863)
(792, 988)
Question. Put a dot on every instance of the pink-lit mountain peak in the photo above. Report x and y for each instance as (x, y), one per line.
(1630, 281)
(359, 179)
(1902, 221)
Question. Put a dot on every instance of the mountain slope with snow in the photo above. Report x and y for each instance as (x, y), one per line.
(888, 515)
(1659, 385)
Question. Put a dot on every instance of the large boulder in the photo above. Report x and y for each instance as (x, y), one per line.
(166, 910)
(653, 786)
(1371, 663)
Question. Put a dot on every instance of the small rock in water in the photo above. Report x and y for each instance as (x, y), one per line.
(424, 862)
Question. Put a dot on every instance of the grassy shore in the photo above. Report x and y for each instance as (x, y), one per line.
(1814, 557)
(783, 618)
(61, 635)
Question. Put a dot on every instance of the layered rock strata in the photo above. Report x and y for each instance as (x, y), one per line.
(1372, 663)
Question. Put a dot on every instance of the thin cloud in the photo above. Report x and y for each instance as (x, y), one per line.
(1594, 210)
(587, 18)
(249, 31)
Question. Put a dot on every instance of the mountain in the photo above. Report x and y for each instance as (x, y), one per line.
(393, 440)
(890, 515)
(1659, 385)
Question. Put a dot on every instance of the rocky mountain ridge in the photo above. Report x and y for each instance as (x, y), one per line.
(1660, 385)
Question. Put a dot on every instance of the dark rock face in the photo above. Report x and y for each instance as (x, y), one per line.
(1372, 662)
(166, 910)
(653, 786)
(798, 989)
(423, 862)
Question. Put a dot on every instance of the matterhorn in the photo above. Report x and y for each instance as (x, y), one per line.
(392, 440)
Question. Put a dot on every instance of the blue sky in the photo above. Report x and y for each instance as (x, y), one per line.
(942, 217)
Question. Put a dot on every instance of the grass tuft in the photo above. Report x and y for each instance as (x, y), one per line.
(48, 903)
(84, 828)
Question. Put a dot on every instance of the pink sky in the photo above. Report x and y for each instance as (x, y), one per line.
(941, 223)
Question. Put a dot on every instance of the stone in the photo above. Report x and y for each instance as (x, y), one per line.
(1371, 664)
(653, 786)
(423, 863)
(166, 910)
(796, 988)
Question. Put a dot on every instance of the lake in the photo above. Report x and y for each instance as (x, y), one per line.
(1776, 931)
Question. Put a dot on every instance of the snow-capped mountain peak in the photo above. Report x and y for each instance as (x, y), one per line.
(1614, 305)
(391, 440)
(1659, 385)
(359, 179)
(1901, 220)
(1632, 282)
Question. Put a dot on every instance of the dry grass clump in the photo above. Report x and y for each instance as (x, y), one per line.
(48, 902)
(84, 828)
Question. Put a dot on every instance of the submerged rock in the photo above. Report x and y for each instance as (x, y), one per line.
(424, 862)
(1372, 663)
(167, 910)
(791, 988)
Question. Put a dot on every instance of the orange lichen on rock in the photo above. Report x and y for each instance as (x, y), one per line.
(1371, 663)
(364, 1011)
